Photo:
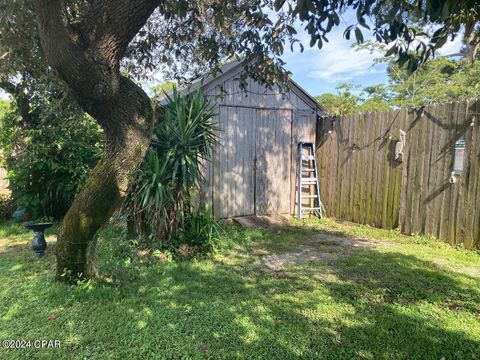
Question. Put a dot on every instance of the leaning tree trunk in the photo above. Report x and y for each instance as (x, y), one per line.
(86, 53)
(126, 144)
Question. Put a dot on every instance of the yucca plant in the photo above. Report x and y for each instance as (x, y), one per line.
(150, 196)
(171, 172)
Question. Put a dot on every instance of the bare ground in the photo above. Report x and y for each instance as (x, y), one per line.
(322, 247)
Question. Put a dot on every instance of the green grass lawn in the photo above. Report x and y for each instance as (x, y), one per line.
(329, 295)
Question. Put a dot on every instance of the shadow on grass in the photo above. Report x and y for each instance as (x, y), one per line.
(12, 229)
(374, 305)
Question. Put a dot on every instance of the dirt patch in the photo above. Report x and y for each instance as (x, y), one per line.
(326, 276)
(276, 262)
(345, 242)
(473, 271)
(322, 247)
(263, 221)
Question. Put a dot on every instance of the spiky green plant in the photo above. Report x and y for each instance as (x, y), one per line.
(200, 229)
(171, 172)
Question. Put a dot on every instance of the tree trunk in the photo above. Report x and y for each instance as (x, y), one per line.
(86, 54)
(107, 185)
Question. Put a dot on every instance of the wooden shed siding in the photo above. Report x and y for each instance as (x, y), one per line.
(228, 175)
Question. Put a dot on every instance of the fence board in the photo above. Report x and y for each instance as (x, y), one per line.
(346, 204)
(398, 172)
(360, 163)
(470, 176)
(436, 164)
(369, 167)
(385, 173)
(340, 130)
(460, 185)
(378, 164)
(448, 195)
(356, 178)
(476, 160)
(411, 143)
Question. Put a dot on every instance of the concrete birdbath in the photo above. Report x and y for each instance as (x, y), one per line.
(38, 243)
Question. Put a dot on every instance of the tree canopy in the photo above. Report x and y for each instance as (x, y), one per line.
(185, 37)
(438, 80)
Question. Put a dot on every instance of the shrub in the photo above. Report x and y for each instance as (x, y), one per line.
(49, 158)
(7, 207)
(161, 197)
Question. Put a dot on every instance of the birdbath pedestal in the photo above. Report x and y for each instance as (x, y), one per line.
(38, 243)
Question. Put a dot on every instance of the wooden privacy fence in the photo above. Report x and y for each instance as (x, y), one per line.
(361, 181)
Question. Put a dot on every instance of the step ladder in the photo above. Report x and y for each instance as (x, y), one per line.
(307, 179)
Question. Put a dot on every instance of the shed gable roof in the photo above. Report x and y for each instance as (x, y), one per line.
(230, 70)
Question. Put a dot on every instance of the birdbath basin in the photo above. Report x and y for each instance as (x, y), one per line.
(38, 243)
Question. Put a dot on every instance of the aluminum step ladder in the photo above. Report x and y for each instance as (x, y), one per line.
(307, 179)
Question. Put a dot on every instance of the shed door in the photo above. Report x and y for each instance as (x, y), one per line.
(253, 169)
(234, 191)
(273, 138)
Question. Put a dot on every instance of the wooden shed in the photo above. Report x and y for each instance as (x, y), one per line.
(253, 168)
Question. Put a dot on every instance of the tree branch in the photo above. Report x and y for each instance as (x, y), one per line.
(70, 61)
(8, 87)
(87, 54)
(112, 24)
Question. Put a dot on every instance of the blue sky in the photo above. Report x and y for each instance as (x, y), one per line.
(320, 71)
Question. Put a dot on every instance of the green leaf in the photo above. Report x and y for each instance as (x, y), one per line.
(358, 35)
(363, 23)
(392, 50)
(311, 6)
(279, 4)
(320, 43)
(336, 19)
(346, 34)
(291, 29)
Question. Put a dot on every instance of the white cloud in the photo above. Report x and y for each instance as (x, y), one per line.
(336, 61)
(341, 62)
(451, 47)
(4, 95)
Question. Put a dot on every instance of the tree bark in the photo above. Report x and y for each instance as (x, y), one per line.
(107, 185)
(86, 56)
